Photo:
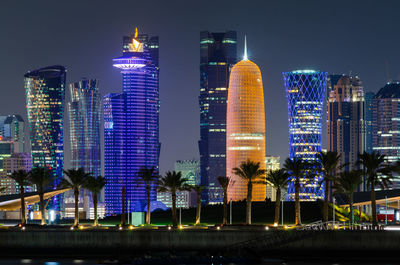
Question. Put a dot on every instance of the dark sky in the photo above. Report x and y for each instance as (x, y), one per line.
(84, 36)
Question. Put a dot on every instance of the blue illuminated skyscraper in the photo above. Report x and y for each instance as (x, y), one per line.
(131, 126)
(217, 57)
(45, 92)
(305, 93)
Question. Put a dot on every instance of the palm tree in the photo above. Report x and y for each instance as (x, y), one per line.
(75, 179)
(173, 182)
(297, 169)
(225, 182)
(95, 185)
(278, 179)
(252, 173)
(198, 189)
(378, 173)
(328, 163)
(148, 176)
(347, 183)
(21, 177)
(41, 177)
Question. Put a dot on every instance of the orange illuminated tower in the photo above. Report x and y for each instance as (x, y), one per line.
(245, 130)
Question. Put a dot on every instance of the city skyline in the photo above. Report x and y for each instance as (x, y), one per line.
(175, 95)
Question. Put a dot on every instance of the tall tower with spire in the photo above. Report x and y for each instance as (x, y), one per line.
(131, 127)
(245, 130)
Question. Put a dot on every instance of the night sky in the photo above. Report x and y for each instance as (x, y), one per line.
(84, 36)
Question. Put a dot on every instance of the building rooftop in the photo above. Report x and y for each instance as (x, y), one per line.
(390, 90)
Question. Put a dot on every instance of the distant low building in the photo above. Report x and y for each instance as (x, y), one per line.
(272, 163)
(190, 169)
(16, 161)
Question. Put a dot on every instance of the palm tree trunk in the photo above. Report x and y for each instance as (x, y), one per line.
(76, 193)
(123, 206)
(277, 205)
(174, 218)
(23, 215)
(373, 206)
(248, 202)
(41, 198)
(225, 217)
(297, 203)
(351, 209)
(326, 200)
(198, 208)
(148, 187)
(95, 208)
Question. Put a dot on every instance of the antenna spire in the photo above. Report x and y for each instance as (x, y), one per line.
(245, 49)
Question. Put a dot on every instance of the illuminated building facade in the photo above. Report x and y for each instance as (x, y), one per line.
(217, 56)
(17, 161)
(305, 94)
(245, 130)
(84, 125)
(272, 163)
(386, 123)
(369, 109)
(6, 150)
(131, 128)
(190, 169)
(346, 120)
(12, 127)
(45, 92)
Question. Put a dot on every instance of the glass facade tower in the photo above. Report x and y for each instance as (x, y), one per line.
(131, 127)
(84, 127)
(369, 99)
(84, 119)
(305, 94)
(217, 56)
(386, 123)
(346, 120)
(45, 92)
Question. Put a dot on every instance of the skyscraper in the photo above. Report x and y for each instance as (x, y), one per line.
(217, 56)
(45, 91)
(84, 119)
(346, 121)
(84, 124)
(305, 93)
(245, 130)
(131, 127)
(386, 123)
(369, 99)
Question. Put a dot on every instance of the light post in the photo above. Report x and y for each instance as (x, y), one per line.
(333, 204)
(128, 211)
(180, 216)
(230, 211)
(386, 210)
(282, 210)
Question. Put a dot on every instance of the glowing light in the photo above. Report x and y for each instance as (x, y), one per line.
(275, 224)
(245, 49)
(52, 215)
(218, 228)
(266, 228)
(135, 46)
